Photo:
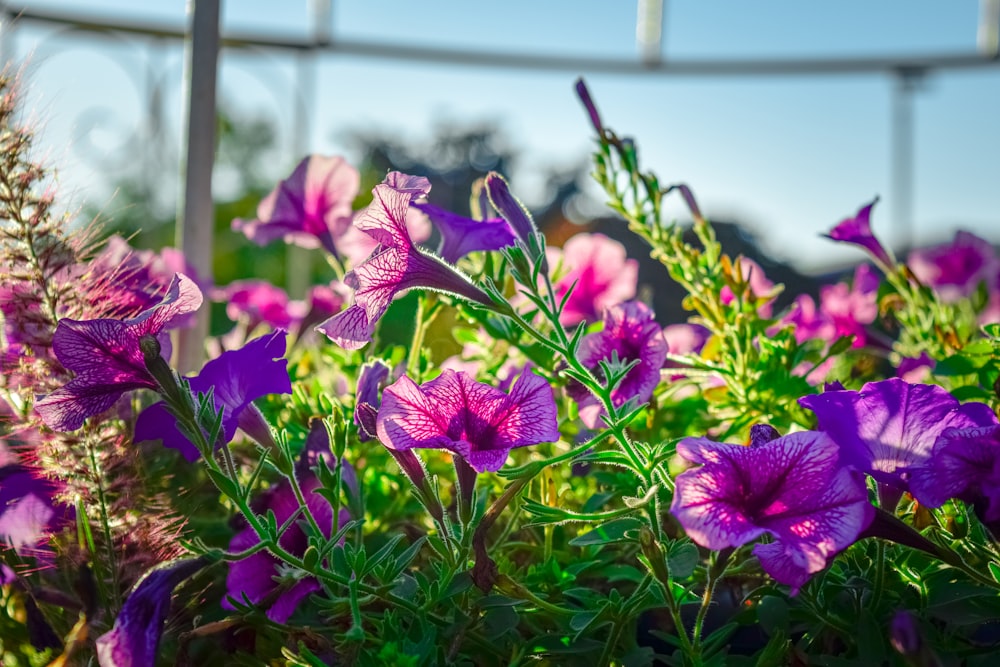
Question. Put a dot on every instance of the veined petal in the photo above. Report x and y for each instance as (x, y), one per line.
(461, 235)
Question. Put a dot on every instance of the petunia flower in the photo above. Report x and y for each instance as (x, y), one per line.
(474, 420)
(311, 208)
(795, 488)
(964, 464)
(236, 378)
(955, 270)
(509, 207)
(461, 235)
(843, 310)
(134, 640)
(858, 231)
(395, 266)
(255, 302)
(600, 275)
(29, 512)
(106, 358)
(372, 375)
(630, 332)
(254, 576)
(889, 427)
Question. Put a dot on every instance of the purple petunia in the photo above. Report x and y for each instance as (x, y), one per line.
(795, 488)
(955, 270)
(461, 235)
(631, 332)
(236, 378)
(29, 512)
(858, 231)
(135, 638)
(311, 208)
(964, 464)
(106, 358)
(478, 422)
(889, 427)
(395, 266)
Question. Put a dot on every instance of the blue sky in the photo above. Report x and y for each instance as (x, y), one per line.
(788, 156)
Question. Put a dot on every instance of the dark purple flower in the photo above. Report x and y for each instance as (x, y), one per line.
(134, 640)
(372, 375)
(795, 488)
(964, 464)
(600, 274)
(254, 576)
(461, 235)
(631, 332)
(28, 511)
(889, 427)
(588, 103)
(311, 208)
(474, 420)
(106, 358)
(396, 266)
(956, 269)
(509, 208)
(858, 230)
(237, 378)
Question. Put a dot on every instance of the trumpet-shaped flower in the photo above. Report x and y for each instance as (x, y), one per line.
(858, 231)
(106, 358)
(796, 488)
(135, 638)
(602, 273)
(236, 378)
(461, 235)
(395, 266)
(630, 332)
(310, 208)
(964, 464)
(889, 427)
(478, 422)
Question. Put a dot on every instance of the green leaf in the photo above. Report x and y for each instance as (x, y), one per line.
(682, 559)
(612, 531)
(772, 614)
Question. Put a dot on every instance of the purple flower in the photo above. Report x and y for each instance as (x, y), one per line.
(237, 378)
(372, 375)
(461, 235)
(889, 427)
(134, 640)
(106, 358)
(509, 208)
(794, 487)
(631, 332)
(588, 103)
(28, 511)
(602, 274)
(474, 420)
(858, 230)
(254, 576)
(955, 270)
(310, 208)
(395, 266)
(964, 464)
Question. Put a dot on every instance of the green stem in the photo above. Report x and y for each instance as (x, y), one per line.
(105, 526)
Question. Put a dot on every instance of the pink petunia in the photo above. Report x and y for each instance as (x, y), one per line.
(602, 273)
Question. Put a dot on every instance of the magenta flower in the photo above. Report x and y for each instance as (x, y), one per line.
(795, 488)
(843, 311)
(474, 420)
(395, 266)
(236, 378)
(858, 231)
(106, 358)
(889, 427)
(602, 274)
(461, 235)
(134, 641)
(310, 208)
(254, 576)
(955, 270)
(631, 332)
(964, 464)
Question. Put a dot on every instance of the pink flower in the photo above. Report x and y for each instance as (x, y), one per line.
(602, 274)
(395, 266)
(843, 311)
(478, 422)
(310, 208)
(956, 269)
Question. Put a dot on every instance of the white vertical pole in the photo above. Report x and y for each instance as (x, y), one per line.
(902, 156)
(197, 217)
